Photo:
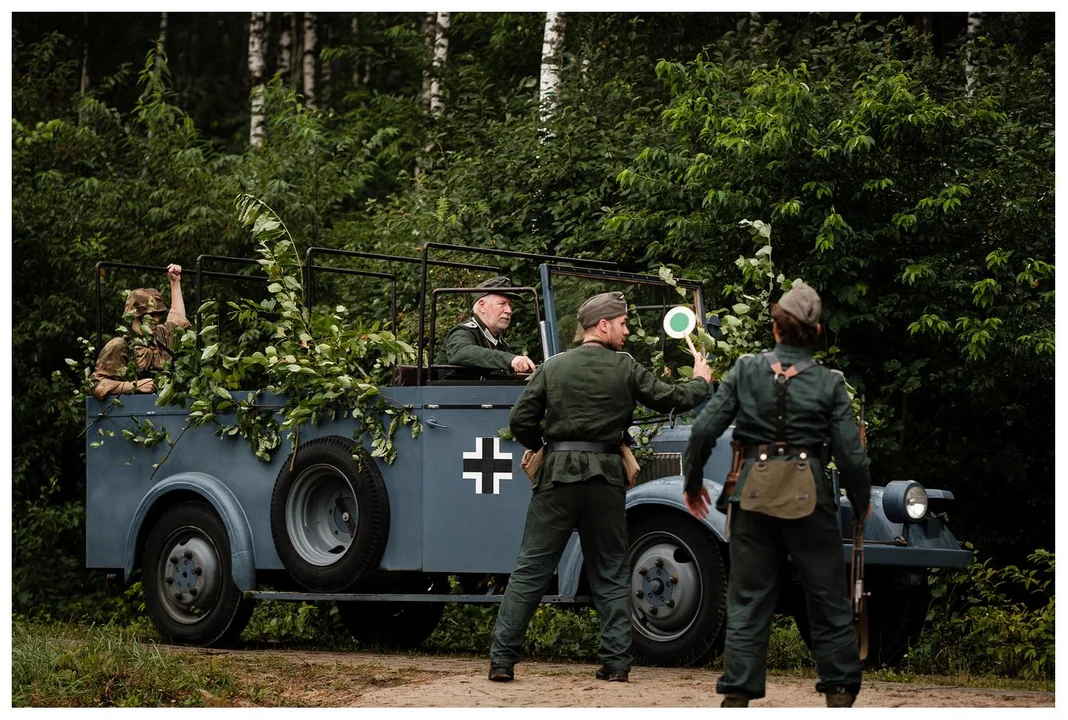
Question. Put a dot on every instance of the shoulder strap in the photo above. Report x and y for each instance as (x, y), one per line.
(781, 377)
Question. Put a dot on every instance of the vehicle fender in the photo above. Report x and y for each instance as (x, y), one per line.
(665, 492)
(242, 552)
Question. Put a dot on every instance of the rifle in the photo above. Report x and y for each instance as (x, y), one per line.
(858, 597)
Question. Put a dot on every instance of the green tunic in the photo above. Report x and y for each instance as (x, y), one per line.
(817, 408)
(471, 344)
(589, 394)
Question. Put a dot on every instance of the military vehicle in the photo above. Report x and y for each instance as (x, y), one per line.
(213, 529)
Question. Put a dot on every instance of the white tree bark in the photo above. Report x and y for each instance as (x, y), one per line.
(354, 29)
(971, 63)
(83, 86)
(756, 26)
(441, 52)
(161, 41)
(257, 48)
(310, 52)
(285, 48)
(551, 46)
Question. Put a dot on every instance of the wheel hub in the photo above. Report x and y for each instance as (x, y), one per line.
(665, 590)
(322, 514)
(191, 576)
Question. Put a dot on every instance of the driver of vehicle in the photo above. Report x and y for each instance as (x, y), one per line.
(478, 342)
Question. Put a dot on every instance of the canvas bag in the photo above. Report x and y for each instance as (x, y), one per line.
(780, 487)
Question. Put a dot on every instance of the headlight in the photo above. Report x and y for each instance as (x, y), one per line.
(904, 501)
(916, 502)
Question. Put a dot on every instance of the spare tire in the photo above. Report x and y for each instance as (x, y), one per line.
(330, 514)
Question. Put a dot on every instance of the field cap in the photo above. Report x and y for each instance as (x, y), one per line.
(145, 301)
(496, 282)
(803, 303)
(602, 307)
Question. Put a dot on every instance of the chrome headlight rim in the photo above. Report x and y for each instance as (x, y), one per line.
(905, 502)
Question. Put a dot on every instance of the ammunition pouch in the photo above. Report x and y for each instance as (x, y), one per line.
(780, 488)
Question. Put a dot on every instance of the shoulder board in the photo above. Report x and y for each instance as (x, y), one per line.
(623, 352)
(470, 324)
(747, 355)
(836, 372)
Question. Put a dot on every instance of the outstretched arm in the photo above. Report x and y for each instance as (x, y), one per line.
(177, 312)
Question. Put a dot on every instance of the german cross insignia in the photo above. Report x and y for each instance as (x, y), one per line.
(487, 466)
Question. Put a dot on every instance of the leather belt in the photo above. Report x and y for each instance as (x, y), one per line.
(773, 450)
(576, 446)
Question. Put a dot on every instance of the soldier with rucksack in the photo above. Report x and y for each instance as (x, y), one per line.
(153, 327)
(786, 408)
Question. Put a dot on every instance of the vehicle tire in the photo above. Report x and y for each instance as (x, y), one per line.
(896, 614)
(400, 625)
(329, 515)
(681, 615)
(190, 593)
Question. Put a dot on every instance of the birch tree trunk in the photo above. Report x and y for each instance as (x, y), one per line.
(551, 46)
(285, 48)
(354, 30)
(441, 51)
(257, 46)
(83, 86)
(161, 41)
(430, 23)
(756, 26)
(971, 66)
(310, 50)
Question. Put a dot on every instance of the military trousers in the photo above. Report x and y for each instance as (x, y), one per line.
(596, 508)
(759, 545)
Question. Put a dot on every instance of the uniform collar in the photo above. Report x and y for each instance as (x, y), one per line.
(485, 330)
(792, 353)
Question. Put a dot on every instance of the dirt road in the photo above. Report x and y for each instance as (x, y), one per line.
(332, 679)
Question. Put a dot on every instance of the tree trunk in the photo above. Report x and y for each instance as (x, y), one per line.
(551, 46)
(161, 41)
(430, 23)
(310, 51)
(256, 62)
(756, 27)
(326, 92)
(354, 30)
(285, 48)
(83, 87)
(971, 66)
(441, 51)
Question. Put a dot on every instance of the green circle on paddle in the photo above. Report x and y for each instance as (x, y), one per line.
(679, 321)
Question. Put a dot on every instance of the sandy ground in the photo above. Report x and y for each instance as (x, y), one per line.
(331, 679)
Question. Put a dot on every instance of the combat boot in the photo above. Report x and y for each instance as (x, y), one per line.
(840, 697)
(735, 699)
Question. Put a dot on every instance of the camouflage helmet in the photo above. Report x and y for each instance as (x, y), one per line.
(145, 301)
(496, 282)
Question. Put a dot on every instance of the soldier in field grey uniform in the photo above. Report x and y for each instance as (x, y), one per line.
(586, 397)
(153, 328)
(477, 343)
(776, 436)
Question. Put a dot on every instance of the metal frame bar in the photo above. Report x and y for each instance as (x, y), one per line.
(402, 597)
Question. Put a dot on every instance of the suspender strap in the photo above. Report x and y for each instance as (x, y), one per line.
(781, 378)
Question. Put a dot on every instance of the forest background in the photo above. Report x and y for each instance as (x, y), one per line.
(904, 162)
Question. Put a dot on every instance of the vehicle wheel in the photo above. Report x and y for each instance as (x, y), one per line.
(896, 614)
(189, 591)
(329, 515)
(402, 625)
(679, 570)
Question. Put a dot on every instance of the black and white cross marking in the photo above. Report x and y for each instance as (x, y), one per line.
(487, 466)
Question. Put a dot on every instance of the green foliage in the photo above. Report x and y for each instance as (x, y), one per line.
(991, 620)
